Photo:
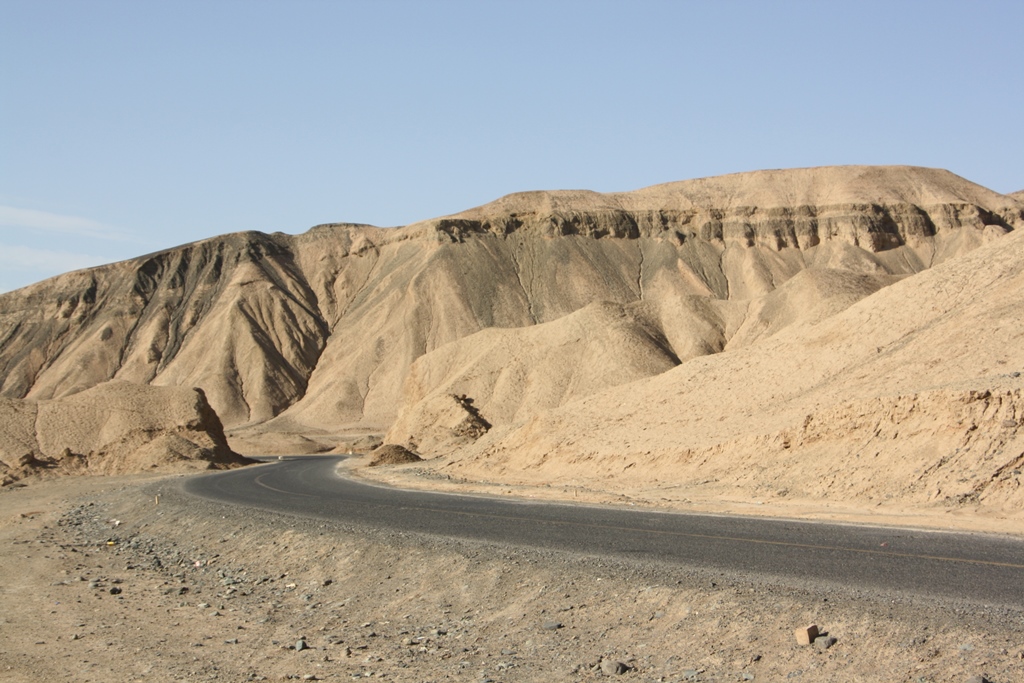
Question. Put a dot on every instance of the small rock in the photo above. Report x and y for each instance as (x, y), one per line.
(978, 679)
(824, 643)
(203, 605)
(301, 645)
(1009, 424)
(115, 591)
(613, 667)
(805, 635)
(551, 625)
(231, 641)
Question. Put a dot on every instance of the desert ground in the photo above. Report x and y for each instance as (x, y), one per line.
(125, 578)
(837, 343)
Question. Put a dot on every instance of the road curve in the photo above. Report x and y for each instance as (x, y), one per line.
(979, 568)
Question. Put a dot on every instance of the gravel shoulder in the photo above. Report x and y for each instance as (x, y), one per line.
(128, 578)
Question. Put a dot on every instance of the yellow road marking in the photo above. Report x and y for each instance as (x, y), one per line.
(258, 481)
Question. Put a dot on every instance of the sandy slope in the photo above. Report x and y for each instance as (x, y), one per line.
(317, 332)
(910, 397)
(112, 428)
(821, 335)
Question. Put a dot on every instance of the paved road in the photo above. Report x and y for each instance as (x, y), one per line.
(976, 567)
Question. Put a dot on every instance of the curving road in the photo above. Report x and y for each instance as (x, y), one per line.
(979, 568)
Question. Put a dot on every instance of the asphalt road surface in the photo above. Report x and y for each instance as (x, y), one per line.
(979, 568)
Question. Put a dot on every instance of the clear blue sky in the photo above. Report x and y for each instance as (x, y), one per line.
(127, 127)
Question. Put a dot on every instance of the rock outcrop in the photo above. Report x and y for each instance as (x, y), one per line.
(913, 396)
(112, 428)
(322, 329)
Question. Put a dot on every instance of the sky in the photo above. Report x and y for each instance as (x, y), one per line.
(127, 127)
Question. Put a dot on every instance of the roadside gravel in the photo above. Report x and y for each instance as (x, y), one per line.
(131, 579)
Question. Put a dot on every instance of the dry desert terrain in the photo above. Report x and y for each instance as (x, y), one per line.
(836, 343)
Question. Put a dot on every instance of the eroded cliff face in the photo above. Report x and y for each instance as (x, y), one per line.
(112, 428)
(911, 398)
(233, 315)
(322, 329)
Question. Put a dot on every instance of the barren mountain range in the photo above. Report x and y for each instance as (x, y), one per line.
(550, 336)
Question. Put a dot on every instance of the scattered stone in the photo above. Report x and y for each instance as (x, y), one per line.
(115, 591)
(978, 679)
(824, 642)
(612, 667)
(392, 454)
(301, 645)
(551, 625)
(231, 641)
(805, 635)
(1010, 424)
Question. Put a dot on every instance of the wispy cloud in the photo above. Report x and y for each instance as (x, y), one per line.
(44, 262)
(30, 219)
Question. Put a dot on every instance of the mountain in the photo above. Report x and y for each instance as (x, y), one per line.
(322, 332)
(911, 396)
